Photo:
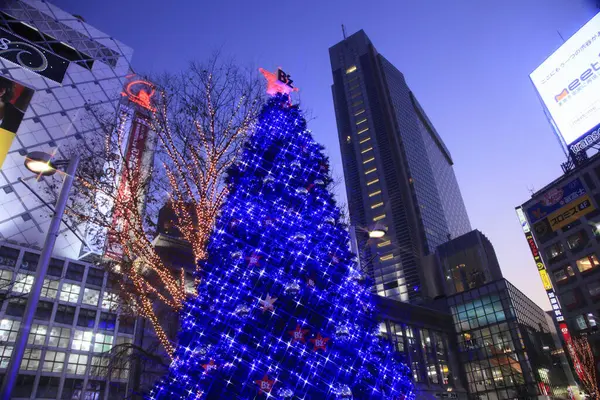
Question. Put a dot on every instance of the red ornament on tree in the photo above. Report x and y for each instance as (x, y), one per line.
(210, 366)
(265, 385)
(320, 342)
(253, 259)
(298, 334)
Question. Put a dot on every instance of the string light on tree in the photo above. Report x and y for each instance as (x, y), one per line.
(277, 302)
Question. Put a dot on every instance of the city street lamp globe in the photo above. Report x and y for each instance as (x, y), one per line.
(40, 163)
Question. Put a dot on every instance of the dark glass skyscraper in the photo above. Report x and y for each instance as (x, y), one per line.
(398, 171)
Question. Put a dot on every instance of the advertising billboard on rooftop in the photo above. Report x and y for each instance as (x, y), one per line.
(568, 83)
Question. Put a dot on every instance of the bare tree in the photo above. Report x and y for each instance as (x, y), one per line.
(200, 119)
(587, 366)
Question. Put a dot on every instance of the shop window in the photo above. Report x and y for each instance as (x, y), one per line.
(554, 252)
(587, 263)
(578, 240)
(65, 314)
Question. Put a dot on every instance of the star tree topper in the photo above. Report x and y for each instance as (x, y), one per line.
(278, 82)
(265, 385)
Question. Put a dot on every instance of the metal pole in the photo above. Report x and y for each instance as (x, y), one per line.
(34, 296)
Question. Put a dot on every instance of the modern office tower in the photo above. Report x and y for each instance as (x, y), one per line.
(79, 341)
(398, 172)
(467, 262)
(504, 344)
(55, 66)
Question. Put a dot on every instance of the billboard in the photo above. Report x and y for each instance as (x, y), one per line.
(559, 206)
(14, 100)
(568, 83)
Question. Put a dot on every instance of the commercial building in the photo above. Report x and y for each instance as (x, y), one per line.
(398, 171)
(55, 67)
(80, 342)
(564, 224)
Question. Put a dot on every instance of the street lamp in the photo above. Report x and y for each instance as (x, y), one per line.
(41, 164)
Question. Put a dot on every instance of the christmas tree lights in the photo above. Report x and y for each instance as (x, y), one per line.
(281, 311)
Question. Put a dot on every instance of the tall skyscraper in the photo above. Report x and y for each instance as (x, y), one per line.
(398, 171)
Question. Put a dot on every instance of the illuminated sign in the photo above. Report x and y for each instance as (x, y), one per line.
(564, 330)
(569, 86)
(560, 207)
(31, 57)
(140, 92)
(279, 82)
(541, 267)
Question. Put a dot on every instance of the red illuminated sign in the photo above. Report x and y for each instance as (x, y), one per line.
(564, 330)
(140, 92)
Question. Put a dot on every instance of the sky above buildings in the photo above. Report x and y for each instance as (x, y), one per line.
(467, 61)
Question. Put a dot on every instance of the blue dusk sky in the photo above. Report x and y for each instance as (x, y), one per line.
(467, 61)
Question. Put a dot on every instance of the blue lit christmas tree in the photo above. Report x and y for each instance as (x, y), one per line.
(282, 311)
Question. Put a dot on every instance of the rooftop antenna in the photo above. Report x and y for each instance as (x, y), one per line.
(344, 31)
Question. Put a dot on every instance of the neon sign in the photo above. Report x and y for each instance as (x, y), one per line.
(141, 93)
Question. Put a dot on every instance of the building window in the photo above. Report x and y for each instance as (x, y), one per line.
(594, 289)
(95, 277)
(587, 263)
(72, 388)
(379, 217)
(48, 387)
(95, 390)
(365, 150)
(23, 283)
(351, 69)
(70, 292)
(554, 251)
(570, 299)
(82, 340)
(55, 268)
(8, 330)
(365, 140)
(580, 322)
(383, 244)
(99, 366)
(386, 257)
(77, 364)
(577, 241)
(75, 272)
(108, 321)
(23, 386)
(110, 301)
(8, 256)
(362, 121)
(30, 261)
(5, 353)
(416, 371)
(432, 373)
(368, 160)
(372, 182)
(560, 276)
(59, 337)
(31, 359)
(91, 296)
(375, 193)
(87, 318)
(126, 324)
(363, 130)
(65, 314)
(37, 335)
(54, 361)
(103, 343)
(5, 279)
(50, 288)
(16, 307)
(44, 310)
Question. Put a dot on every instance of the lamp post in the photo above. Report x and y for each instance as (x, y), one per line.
(41, 164)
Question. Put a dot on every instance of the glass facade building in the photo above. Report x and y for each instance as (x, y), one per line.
(83, 68)
(504, 343)
(397, 170)
(77, 330)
